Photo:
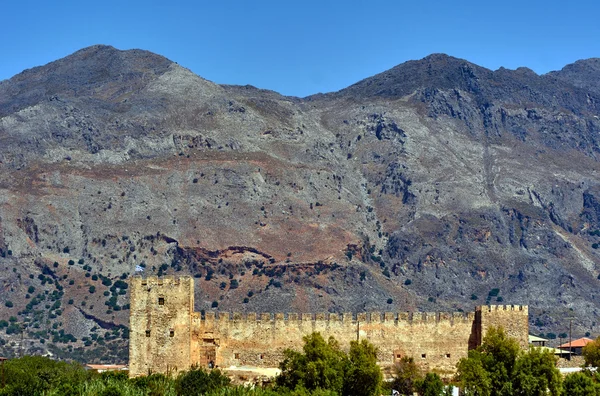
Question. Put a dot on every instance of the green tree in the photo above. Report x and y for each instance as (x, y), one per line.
(472, 375)
(579, 384)
(499, 368)
(536, 374)
(431, 385)
(320, 366)
(363, 376)
(591, 353)
(406, 373)
(489, 369)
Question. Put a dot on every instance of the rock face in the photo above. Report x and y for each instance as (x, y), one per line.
(437, 185)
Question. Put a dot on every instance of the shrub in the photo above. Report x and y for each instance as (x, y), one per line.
(214, 304)
(407, 282)
(389, 301)
(198, 382)
(9, 304)
(92, 289)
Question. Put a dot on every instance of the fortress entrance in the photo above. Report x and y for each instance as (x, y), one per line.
(208, 352)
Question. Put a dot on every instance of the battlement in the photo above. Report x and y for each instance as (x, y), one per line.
(492, 308)
(348, 317)
(138, 280)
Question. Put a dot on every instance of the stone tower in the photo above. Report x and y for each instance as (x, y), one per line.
(514, 319)
(160, 323)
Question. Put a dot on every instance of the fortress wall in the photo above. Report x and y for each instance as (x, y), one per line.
(179, 337)
(513, 318)
(163, 307)
(435, 340)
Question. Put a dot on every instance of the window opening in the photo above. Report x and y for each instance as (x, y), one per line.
(423, 355)
(161, 301)
(147, 333)
(171, 333)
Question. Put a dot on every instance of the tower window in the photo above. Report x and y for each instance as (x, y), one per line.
(448, 356)
(171, 333)
(237, 355)
(161, 301)
(147, 333)
(423, 356)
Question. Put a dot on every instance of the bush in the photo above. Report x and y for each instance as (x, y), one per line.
(407, 282)
(9, 304)
(92, 289)
(198, 382)
(214, 304)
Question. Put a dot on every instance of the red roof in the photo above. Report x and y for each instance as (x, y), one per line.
(580, 343)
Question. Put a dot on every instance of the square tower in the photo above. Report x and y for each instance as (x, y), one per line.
(160, 324)
(514, 319)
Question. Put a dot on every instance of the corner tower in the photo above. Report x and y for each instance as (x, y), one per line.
(160, 324)
(514, 319)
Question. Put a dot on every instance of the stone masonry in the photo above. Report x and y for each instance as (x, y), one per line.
(168, 336)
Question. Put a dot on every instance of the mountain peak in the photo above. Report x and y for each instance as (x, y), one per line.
(584, 73)
(436, 70)
(93, 71)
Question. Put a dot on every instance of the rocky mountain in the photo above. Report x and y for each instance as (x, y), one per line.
(436, 186)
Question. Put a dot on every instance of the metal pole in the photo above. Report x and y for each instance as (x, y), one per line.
(570, 332)
(22, 335)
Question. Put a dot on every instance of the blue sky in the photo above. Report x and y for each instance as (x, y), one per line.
(303, 47)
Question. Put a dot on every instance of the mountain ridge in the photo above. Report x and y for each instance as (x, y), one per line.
(436, 185)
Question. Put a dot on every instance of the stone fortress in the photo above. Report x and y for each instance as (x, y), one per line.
(168, 336)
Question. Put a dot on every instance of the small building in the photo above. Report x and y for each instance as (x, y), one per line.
(576, 346)
(537, 341)
(101, 368)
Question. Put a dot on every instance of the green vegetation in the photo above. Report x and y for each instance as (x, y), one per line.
(323, 368)
(591, 353)
(498, 367)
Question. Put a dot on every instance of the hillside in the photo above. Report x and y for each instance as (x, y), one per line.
(437, 185)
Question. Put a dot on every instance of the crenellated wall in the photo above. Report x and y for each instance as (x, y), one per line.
(436, 341)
